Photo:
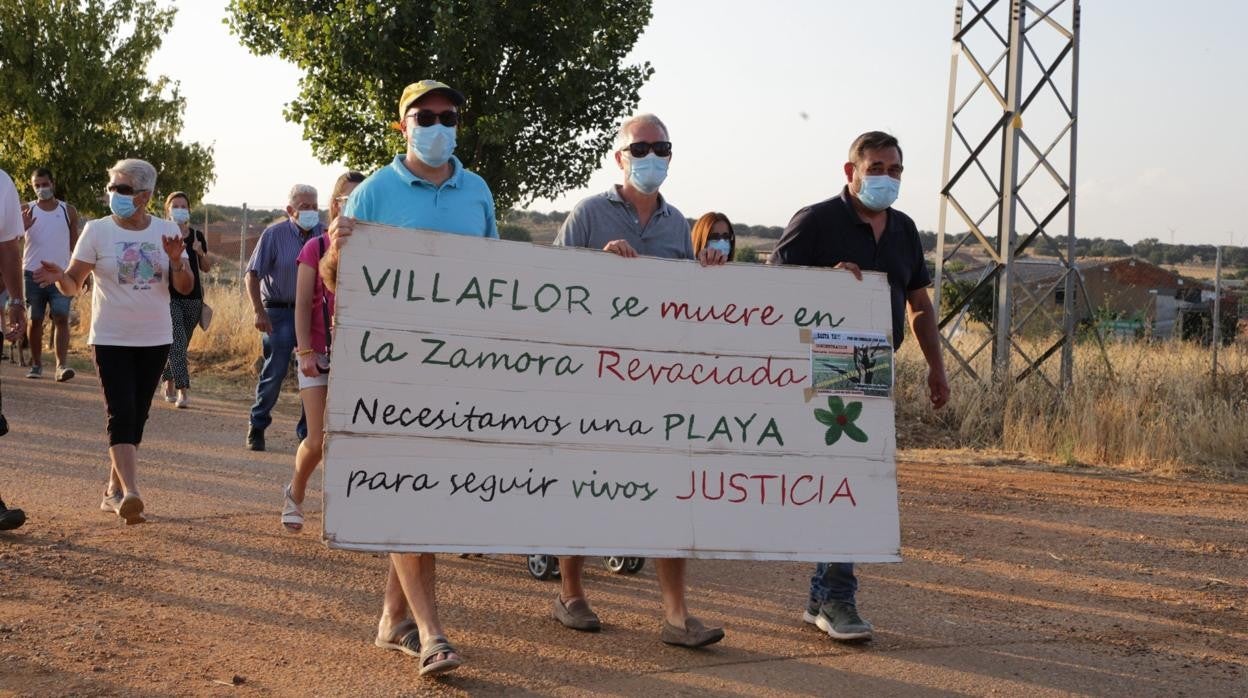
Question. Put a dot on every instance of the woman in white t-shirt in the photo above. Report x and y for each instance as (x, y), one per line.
(132, 255)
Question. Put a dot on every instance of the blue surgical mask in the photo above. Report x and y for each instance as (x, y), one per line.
(647, 174)
(309, 219)
(180, 215)
(722, 246)
(433, 145)
(121, 205)
(878, 192)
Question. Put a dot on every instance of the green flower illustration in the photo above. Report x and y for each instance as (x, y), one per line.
(839, 418)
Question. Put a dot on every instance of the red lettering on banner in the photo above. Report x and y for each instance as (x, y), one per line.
(730, 313)
(843, 490)
(697, 373)
(794, 490)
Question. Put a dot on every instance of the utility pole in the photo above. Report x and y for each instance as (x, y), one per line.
(1217, 311)
(1008, 180)
(242, 253)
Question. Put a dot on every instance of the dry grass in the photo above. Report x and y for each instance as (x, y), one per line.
(228, 350)
(1158, 411)
(232, 344)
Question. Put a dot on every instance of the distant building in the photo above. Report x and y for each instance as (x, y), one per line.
(1128, 296)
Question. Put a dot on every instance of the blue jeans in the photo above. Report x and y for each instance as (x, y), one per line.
(278, 346)
(833, 581)
(40, 298)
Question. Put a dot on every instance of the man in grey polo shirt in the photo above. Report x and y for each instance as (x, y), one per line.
(632, 219)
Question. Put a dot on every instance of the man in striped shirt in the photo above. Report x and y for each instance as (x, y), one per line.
(271, 277)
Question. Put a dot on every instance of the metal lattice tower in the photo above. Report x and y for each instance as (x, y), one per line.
(1013, 85)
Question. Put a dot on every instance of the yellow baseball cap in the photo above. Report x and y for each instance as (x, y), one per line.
(416, 90)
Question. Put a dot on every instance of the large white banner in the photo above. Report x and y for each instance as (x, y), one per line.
(492, 396)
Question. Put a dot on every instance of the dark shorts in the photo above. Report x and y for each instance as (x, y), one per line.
(40, 298)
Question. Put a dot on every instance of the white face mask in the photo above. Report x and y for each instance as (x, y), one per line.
(647, 173)
(45, 193)
(308, 219)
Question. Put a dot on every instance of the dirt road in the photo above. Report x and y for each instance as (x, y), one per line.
(1017, 581)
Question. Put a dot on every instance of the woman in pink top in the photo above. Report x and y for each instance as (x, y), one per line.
(314, 311)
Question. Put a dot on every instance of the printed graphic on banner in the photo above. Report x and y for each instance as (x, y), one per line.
(851, 363)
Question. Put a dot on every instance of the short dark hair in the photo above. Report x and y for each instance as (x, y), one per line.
(872, 140)
(42, 172)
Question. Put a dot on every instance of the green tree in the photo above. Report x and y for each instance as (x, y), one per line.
(746, 255)
(514, 231)
(955, 289)
(76, 97)
(545, 82)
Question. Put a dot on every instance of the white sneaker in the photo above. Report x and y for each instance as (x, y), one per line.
(183, 400)
(111, 502)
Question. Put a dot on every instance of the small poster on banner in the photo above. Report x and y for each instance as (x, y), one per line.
(851, 363)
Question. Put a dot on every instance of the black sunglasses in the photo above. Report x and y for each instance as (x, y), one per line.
(123, 189)
(428, 117)
(640, 149)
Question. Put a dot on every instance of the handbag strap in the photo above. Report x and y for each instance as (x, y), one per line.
(329, 337)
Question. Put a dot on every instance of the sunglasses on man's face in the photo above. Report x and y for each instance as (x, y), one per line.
(641, 149)
(428, 117)
(123, 189)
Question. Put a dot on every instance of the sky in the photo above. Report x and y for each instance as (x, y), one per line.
(762, 101)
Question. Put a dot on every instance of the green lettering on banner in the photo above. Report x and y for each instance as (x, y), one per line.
(818, 319)
(472, 290)
(434, 296)
(537, 298)
(368, 280)
(492, 360)
(771, 431)
(383, 354)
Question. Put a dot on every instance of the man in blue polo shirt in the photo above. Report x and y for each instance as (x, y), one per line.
(855, 231)
(427, 187)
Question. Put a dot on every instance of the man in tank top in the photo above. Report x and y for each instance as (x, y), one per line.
(51, 233)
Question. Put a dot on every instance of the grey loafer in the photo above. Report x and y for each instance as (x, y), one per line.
(577, 614)
(694, 634)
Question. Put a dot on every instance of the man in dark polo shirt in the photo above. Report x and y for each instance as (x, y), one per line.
(859, 230)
